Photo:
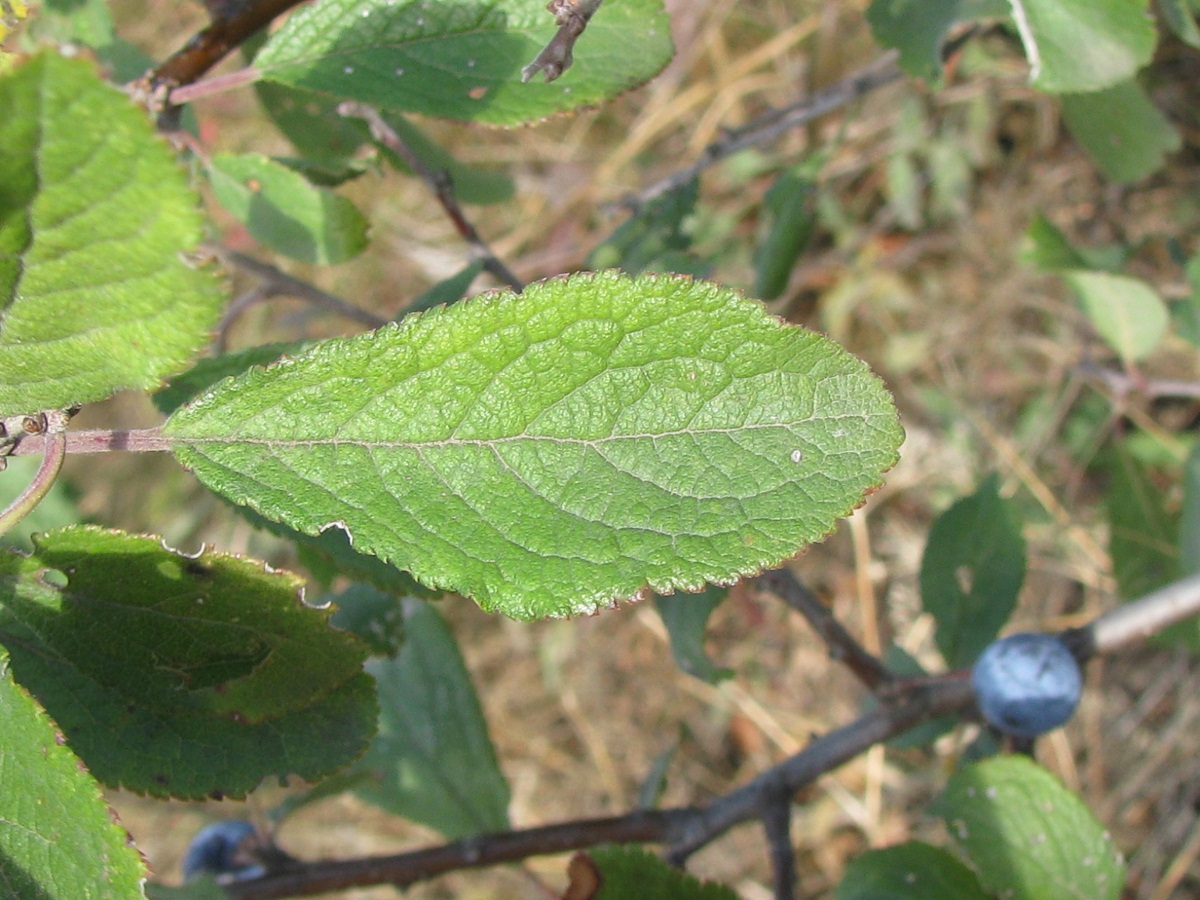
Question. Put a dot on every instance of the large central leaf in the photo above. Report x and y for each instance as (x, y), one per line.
(557, 451)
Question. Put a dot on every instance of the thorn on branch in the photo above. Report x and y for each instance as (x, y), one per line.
(571, 17)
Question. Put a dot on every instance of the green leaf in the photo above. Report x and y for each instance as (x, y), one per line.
(202, 888)
(1047, 248)
(1121, 130)
(376, 617)
(95, 216)
(619, 873)
(790, 206)
(916, 28)
(1126, 312)
(1180, 17)
(1028, 836)
(686, 619)
(433, 760)
(463, 60)
(206, 633)
(911, 871)
(972, 571)
(1186, 312)
(1084, 45)
(56, 510)
(445, 292)
(312, 123)
(87, 22)
(192, 756)
(58, 838)
(207, 372)
(285, 211)
(656, 239)
(556, 451)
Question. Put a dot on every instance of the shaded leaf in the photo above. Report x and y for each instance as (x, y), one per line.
(433, 761)
(917, 29)
(911, 871)
(56, 510)
(790, 206)
(207, 372)
(376, 617)
(972, 571)
(284, 211)
(556, 451)
(1180, 16)
(445, 292)
(1084, 45)
(1046, 247)
(686, 618)
(205, 633)
(656, 239)
(618, 873)
(1126, 312)
(58, 838)
(95, 216)
(1121, 130)
(1027, 835)
(463, 59)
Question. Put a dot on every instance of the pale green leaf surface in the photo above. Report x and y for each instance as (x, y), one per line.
(1084, 45)
(285, 211)
(972, 571)
(1121, 130)
(95, 216)
(1180, 17)
(58, 839)
(1126, 312)
(1028, 836)
(910, 871)
(192, 756)
(433, 761)
(462, 59)
(554, 452)
(207, 633)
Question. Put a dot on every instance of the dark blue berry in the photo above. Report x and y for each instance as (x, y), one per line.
(1027, 684)
(223, 849)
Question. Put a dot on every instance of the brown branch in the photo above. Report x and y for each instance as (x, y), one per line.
(439, 182)
(683, 829)
(232, 23)
(1122, 384)
(868, 668)
(571, 17)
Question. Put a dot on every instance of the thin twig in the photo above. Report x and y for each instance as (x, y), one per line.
(777, 823)
(867, 667)
(1122, 384)
(1133, 622)
(51, 427)
(439, 182)
(277, 283)
(139, 440)
(571, 17)
(769, 126)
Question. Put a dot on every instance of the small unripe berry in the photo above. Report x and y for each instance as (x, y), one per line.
(1027, 684)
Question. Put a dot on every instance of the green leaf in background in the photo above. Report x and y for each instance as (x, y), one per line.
(463, 59)
(554, 452)
(1185, 313)
(58, 838)
(1126, 312)
(207, 372)
(95, 217)
(619, 873)
(375, 616)
(312, 124)
(87, 22)
(686, 619)
(192, 756)
(286, 212)
(1121, 130)
(1047, 248)
(203, 888)
(1189, 520)
(972, 571)
(910, 871)
(1027, 835)
(206, 633)
(445, 292)
(790, 206)
(433, 760)
(656, 239)
(1180, 17)
(916, 28)
(1084, 45)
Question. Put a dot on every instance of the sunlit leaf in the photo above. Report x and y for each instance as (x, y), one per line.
(556, 451)
(1121, 130)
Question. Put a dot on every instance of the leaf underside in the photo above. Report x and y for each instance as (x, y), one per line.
(558, 451)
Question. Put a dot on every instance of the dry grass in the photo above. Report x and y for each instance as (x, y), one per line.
(980, 352)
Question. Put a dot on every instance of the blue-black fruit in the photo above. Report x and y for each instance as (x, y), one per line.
(1027, 684)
